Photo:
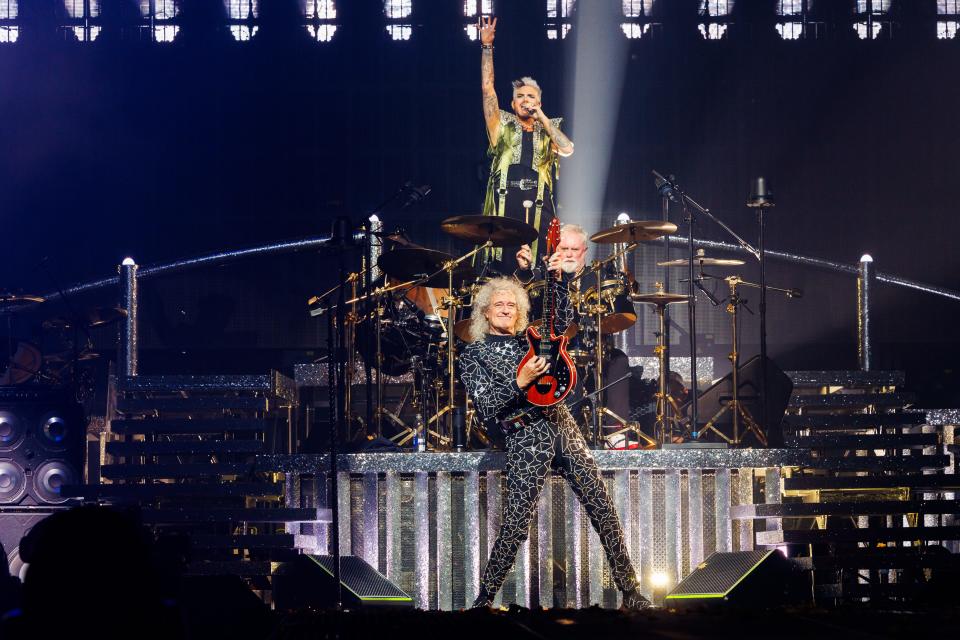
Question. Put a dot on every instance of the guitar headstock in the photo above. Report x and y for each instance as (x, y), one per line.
(553, 237)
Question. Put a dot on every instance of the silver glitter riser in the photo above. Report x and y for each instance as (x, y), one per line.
(672, 518)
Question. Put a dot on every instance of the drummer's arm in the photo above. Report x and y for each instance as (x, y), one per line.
(564, 313)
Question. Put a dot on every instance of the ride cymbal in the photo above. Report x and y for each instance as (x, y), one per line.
(703, 261)
(636, 231)
(658, 298)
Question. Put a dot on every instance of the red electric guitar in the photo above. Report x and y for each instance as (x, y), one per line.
(561, 376)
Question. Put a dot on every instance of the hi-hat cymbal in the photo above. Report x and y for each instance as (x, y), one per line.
(410, 263)
(635, 231)
(703, 261)
(502, 232)
(658, 298)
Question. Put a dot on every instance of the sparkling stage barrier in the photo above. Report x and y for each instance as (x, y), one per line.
(427, 521)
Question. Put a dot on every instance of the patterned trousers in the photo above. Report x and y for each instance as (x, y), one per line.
(531, 452)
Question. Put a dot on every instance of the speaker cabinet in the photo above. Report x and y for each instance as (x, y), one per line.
(308, 582)
(739, 578)
(41, 445)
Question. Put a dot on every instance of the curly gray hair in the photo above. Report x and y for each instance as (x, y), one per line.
(479, 325)
(526, 81)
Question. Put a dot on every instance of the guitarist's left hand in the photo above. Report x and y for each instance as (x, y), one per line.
(553, 265)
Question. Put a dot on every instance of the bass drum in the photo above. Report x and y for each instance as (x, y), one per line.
(406, 330)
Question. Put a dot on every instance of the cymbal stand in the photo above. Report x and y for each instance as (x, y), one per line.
(666, 418)
(451, 303)
(735, 406)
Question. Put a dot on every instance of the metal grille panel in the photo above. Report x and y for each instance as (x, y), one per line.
(720, 572)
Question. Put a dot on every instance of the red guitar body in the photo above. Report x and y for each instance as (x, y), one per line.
(561, 375)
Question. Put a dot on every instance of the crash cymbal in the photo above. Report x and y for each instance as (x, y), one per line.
(635, 231)
(703, 261)
(7, 298)
(502, 232)
(658, 298)
(67, 356)
(408, 263)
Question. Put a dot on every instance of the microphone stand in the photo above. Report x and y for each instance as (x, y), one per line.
(670, 189)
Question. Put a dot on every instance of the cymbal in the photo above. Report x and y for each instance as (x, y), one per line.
(84, 355)
(658, 298)
(19, 298)
(99, 316)
(502, 232)
(408, 263)
(703, 261)
(636, 231)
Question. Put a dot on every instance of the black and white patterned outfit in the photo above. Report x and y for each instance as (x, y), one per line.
(548, 438)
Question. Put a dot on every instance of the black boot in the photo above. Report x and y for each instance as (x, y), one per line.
(633, 600)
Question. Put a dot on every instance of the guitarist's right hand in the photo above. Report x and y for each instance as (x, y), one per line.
(529, 373)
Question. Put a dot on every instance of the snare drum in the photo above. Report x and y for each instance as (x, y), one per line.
(618, 313)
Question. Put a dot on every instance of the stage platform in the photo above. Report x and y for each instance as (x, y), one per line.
(428, 520)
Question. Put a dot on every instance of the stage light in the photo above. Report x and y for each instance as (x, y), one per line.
(866, 258)
(128, 262)
(659, 580)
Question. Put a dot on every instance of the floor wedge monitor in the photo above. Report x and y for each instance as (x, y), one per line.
(308, 582)
(761, 578)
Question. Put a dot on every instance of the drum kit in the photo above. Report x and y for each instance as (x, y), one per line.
(415, 319)
(51, 351)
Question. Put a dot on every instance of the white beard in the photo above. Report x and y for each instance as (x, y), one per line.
(569, 266)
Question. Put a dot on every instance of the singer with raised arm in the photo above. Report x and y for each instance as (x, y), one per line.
(537, 438)
(525, 148)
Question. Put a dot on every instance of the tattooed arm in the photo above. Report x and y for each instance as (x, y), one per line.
(563, 144)
(491, 107)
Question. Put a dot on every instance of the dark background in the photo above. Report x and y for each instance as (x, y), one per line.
(125, 147)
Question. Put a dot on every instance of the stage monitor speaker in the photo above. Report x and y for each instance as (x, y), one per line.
(719, 394)
(42, 432)
(739, 578)
(308, 582)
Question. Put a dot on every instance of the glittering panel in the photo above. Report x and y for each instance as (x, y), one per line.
(494, 461)
(671, 524)
(745, 496)
(559, 526)
(321, 532)
(457, 538)
(545, 544)
(709, 505)
(421, 534)
(694, 519)
(382, 518)
(621, 499)
(494, 515)
(521, 571)
(595, 566)
(646, 524)
(722, 510)
(371, 512)
(432, 573)
(684, 514)
(659, 562)
(408, 542)
(573, 539)
(772, 495)
(392, 525)
(291, 499)
(344, 513)
(471, 536)
(651, 367)
(444, 551)
(634, 541)
(943, 417)
(356, 521)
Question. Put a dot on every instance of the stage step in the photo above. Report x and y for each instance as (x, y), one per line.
(170, 490)
(197, 403)
(172, 471)
(243, 541)
(872, 535)
(861, 508)
(853, 378)
(904, 464)
(818, 421)
(185, 447)
(272, 384)
(190, 427)
(860, 483)
(864, 441)
(192, 515)
(851, 400)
